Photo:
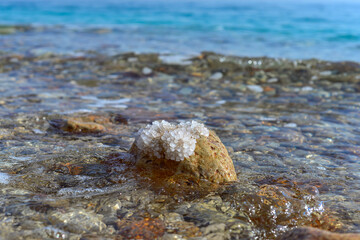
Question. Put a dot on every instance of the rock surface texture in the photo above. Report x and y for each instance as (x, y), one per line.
(209, 160)
(309, 233)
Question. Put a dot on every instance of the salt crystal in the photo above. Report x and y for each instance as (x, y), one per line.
(175, 142)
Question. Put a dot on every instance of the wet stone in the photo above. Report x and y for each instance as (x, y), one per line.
(68, 121)
(146, 228)
(78, 221)
(308, 233)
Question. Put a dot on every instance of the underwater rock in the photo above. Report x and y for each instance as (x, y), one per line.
(186, 148)
(78, 221)
(309, 233)
(147, 228)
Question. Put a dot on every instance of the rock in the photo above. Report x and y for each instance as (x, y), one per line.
(77, 125)
(186, 91)
(147, 228)
(216, 76)
(213, 228)
(255, 88)
(204, 213)
(218, 236)
(78, 221)
(307, 89)
(309, 233)
(325, 73)
(272, 80)
(210, 161)
(168, 236)
(146, 71)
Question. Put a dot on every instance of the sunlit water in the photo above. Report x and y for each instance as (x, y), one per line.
(291, 128)
(290, 29)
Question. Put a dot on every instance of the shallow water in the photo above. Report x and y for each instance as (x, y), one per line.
(291, 128)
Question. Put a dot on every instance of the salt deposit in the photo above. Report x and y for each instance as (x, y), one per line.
(162, 139)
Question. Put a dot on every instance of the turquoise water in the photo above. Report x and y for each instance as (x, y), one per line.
(322, 29)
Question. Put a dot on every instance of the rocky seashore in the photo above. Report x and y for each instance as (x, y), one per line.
(67, 124)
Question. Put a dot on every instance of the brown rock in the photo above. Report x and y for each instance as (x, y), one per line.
(147, 228)
(89, 124)
(210, 161)
(79, 125)
(309, 233)
(86, 124)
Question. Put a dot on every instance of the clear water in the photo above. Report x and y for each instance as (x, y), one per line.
(291, 127)
(322, 29)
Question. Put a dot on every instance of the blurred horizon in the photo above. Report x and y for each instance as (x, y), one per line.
(289, 29)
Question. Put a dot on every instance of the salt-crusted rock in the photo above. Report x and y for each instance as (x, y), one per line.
(186, 148)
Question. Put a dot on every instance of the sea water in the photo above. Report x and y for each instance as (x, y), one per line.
(287, 29)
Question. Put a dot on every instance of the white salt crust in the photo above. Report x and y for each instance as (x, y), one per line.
(162, 139)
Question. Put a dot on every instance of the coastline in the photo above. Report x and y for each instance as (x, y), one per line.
(290, 127)
(77, 39)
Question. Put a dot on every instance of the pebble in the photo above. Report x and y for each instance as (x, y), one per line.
(325, 73)
(255, 88)
(290, 125)
(213, 228)
(272, 80)
(309, 233)
(186, 91)
(78, 221)
(307, 89)
(216, 76)
(146, 71)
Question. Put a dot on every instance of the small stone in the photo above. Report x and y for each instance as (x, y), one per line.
(220, 102)
(325, 73)
(290, 125)
(5, 133)
(307, 89)
(78, 125)
(309, 233)
(218, 236)
(168, 236)
(147, 228)
(255, 88)
(186, 91)
(314, 78)
(78, 221)
(269, 90)
(213, 228)
(146, 71)
(272, 80)
(216, 76)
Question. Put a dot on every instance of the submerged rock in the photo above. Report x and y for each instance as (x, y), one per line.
(187, 148)
(309, 233)
(147, 228)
